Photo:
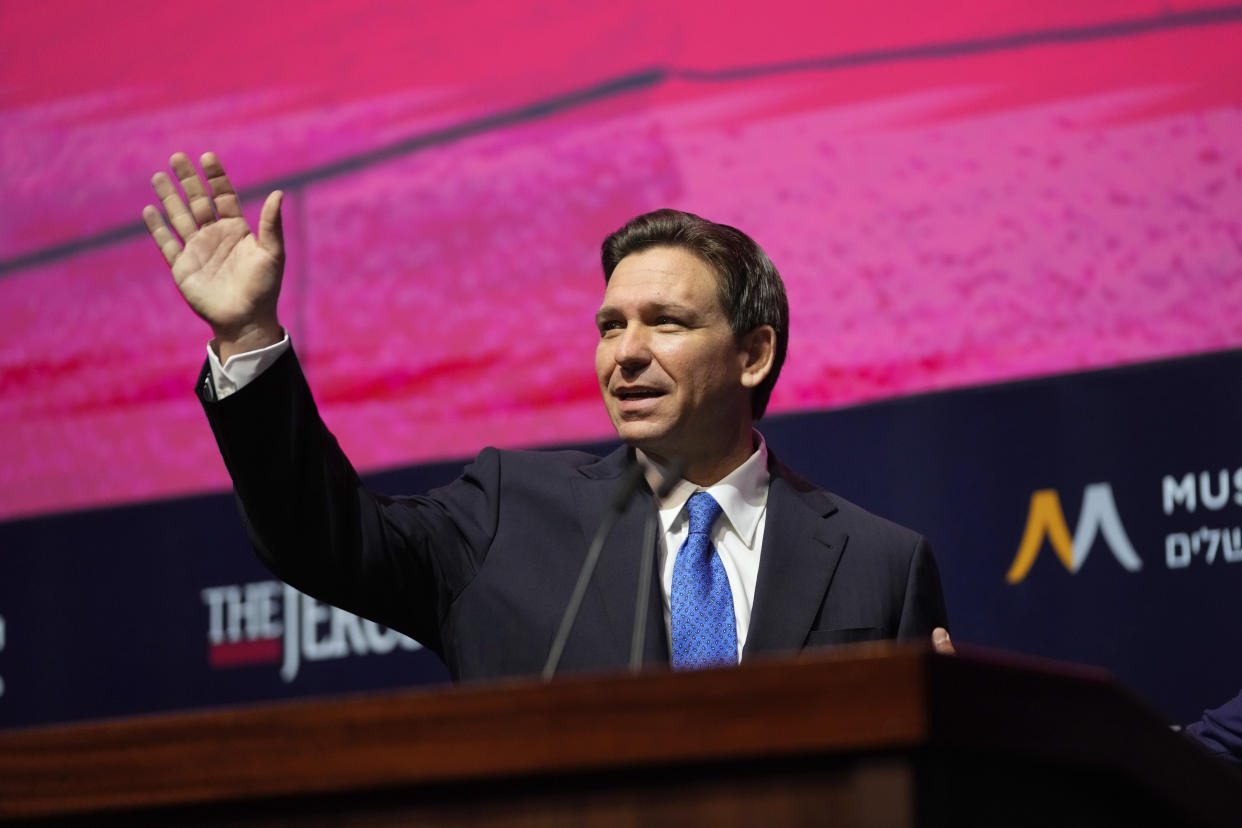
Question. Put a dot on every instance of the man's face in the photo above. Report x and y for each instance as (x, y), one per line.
(669, 366)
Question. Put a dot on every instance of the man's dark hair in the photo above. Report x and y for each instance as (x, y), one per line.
(751, 291)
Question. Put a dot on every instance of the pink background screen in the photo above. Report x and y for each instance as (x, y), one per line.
(986, 192)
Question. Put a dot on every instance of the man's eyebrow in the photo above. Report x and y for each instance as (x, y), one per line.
(608, 311)
(671, 307)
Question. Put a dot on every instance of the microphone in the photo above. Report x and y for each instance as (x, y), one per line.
(646, 563)
(630, 484)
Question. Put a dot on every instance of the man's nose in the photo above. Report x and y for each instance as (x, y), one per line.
(633, 347)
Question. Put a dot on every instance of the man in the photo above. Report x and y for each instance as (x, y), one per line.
(693, 328)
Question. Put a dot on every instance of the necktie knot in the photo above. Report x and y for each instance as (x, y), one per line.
(703, 510)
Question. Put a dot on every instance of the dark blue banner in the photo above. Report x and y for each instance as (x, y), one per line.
(1095, 517)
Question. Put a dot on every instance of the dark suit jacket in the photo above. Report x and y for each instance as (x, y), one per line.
(480, 571)
(1220, 730)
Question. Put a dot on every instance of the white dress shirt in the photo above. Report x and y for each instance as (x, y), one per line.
(737, 534)
(240, 369)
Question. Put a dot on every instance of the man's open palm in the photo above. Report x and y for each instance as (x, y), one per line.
(230, 277)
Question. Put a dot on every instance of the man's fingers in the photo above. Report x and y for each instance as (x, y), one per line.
(271, 231)
(168, 244)
(941, 641)
(201, 207)
(227, 203)
(178, 216)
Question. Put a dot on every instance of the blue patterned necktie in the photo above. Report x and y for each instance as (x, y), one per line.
(703, 625)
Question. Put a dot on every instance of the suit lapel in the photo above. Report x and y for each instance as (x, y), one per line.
(800, 555)
(615, 581)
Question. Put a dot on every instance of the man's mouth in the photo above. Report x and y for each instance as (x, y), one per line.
(626, 394)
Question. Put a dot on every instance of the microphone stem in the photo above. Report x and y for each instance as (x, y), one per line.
(575, 600)
(646, 563)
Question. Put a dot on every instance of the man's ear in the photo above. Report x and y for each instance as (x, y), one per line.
(757, 351)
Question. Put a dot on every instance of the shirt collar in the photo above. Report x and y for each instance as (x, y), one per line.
(742, 494)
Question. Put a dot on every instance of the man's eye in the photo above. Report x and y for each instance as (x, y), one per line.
(667, 320)
(607, 327)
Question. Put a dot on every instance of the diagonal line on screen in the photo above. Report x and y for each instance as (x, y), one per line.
(647, 78)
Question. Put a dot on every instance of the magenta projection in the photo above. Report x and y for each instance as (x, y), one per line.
(952, 201)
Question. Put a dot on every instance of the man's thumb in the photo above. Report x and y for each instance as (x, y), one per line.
(271, 233)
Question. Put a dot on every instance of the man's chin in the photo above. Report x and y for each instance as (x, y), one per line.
(642, 435)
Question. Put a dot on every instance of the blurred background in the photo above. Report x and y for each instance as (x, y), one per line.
(1011, 234)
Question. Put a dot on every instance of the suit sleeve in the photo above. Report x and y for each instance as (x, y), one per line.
(1220, 730)
(923, 606)
(398, 561)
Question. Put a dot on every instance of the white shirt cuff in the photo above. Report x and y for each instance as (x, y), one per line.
(240, 369)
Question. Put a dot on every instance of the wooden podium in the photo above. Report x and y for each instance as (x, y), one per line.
(866, 736)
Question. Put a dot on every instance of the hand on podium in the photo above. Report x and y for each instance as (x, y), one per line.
(941, 642)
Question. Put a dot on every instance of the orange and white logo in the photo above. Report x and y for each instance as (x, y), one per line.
(1097, 516)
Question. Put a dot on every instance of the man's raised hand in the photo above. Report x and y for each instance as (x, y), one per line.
(228, 276)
